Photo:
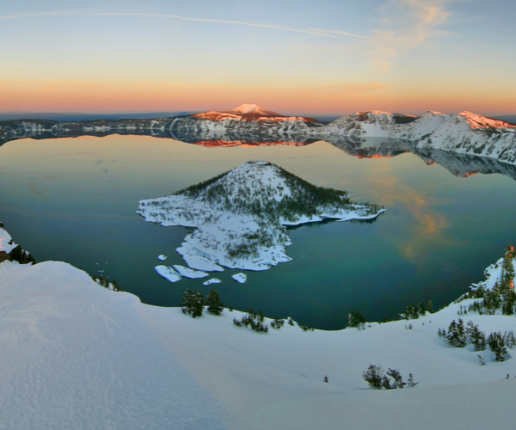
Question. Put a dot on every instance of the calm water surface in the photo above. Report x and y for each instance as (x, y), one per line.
(75, 200)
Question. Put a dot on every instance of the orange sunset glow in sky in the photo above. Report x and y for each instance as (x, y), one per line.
(331, 58)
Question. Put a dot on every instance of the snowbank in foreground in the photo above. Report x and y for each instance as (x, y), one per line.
(75, 355)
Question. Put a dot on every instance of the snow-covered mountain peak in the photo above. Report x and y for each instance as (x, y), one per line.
(479, 121)
(373, 112)
(250, 108)
(434, 113)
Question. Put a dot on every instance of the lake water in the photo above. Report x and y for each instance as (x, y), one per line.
(75, 200)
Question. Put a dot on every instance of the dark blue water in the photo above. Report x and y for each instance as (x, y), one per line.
(75, 200)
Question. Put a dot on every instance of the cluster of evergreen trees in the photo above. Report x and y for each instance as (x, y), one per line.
(413, 312)
(106, 283)
(278, 323)
(502, 298)
(254, 321)
(193, 303)
(376, 378)
(459, 335)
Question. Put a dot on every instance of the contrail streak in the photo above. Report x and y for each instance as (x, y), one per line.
(316, 32)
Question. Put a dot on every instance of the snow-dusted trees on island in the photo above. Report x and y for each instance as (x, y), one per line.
(376, 378)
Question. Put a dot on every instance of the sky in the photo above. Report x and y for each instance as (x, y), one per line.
(329, 57)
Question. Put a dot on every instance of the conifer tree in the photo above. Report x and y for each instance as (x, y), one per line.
(398, 380)
(193, 302)
(374, 376)
(356, 319)
(411, 383)
(213, 303)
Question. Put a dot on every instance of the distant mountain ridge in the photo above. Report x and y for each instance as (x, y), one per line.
(464, 133)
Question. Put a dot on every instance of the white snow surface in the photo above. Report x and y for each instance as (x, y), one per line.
(168, 273)
(186, 272)
(6, 242)
(162, 257)
(240, 277)
(212, 281)
(75, 355)
(226, 226)
(251, 108)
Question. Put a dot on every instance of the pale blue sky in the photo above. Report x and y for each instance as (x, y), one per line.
(329, 57)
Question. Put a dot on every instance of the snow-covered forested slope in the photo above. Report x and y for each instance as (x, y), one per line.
(240, 216)
(466, 132)
(75, 355)
(10, 251)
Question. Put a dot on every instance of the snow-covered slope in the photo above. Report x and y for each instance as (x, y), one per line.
(240, 216)
(463, 133)
(10, 251)
(75, 355)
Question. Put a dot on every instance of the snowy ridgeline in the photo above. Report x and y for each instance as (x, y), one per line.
(465, 133)
(78, 356)
(241, 216)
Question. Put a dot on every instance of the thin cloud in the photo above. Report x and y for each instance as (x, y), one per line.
(334, 34)
(341, 33)
(409, 24)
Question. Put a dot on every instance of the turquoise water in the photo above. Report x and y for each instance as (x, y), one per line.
(75, 200)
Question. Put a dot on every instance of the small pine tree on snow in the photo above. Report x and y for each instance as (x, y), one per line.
(410, 382)
(387, 384)
(213, 302)
(497, 345)
(457, 334)
(325, 379)
(398, 380)
(290, 321)
(430, 306)
(477, 337)
(193, 303)
(422, 310)
(356, 319)
(374, 376)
